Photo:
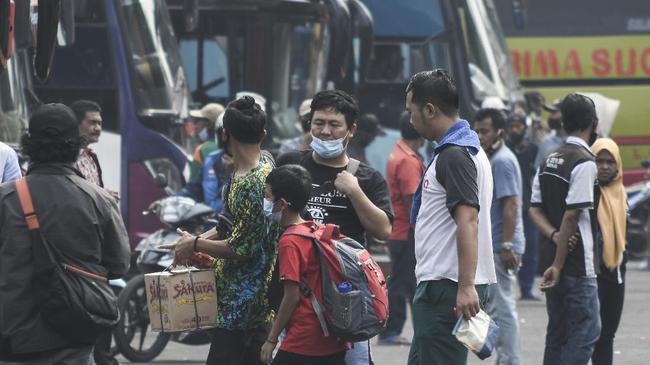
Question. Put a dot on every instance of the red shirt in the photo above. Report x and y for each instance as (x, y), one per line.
(298, 260)
(403, 172)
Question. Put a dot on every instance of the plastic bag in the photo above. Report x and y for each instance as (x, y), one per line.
(478, 334)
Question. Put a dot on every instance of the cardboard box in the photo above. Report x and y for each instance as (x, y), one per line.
(175, 304)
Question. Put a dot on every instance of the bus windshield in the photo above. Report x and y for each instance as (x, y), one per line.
(157, 76)
(280, 56)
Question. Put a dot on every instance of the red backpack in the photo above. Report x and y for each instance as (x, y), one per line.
(355, 296)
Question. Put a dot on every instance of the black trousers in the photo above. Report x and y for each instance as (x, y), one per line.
(290, 358)
(236, 347)
(401, 284)
(611, 296)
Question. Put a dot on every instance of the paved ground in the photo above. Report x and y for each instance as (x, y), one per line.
(631, 346)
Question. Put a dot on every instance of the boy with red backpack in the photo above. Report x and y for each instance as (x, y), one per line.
(287, 191)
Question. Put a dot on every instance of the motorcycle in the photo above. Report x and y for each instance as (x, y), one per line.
(133, 335)
(638, 228)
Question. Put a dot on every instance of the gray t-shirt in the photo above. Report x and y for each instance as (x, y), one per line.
(507, 183)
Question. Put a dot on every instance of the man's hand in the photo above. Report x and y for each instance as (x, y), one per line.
(573, 241)
(267, 352)
(114, 194)
(467, 301)
(550, 278)
(509, 259)
(183, 248)
(346, 183)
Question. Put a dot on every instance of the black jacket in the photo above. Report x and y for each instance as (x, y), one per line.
(81, 219)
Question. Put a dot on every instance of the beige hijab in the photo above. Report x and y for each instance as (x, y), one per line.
(612, 210)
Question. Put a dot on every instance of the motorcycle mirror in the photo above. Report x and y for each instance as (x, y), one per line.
(160, 180)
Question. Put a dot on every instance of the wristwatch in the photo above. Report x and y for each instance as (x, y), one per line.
(508, 246)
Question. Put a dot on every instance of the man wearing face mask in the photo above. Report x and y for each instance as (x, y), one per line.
(358, 201)
(247, 256)
(204, 121)
(555, 138)
(507, 232)
(525, 152)
(562, 205)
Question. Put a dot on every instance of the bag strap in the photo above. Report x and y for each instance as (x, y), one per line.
(26, 204)
(33, 225)
(353, 166)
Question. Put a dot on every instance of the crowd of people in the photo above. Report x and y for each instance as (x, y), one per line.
(503, 197)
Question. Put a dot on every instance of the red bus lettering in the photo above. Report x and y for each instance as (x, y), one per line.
(601, 67)
(572, 63)
(631, 69)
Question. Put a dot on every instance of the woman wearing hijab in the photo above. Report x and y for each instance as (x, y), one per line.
(612, 219)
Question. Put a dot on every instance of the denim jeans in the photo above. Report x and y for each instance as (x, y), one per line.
(502, 307)
(401, 284)
(529, 259)
(573, 321)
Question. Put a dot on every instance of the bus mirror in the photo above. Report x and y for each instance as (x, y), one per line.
(191, 14)
(363, 29)
(66, 34)
(160, 180)
(6, 31)
(47, 26)
(22, 28)
(340, 28)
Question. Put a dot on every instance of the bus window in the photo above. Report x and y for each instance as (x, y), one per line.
(299, 64)
(396, 62)
(85, 70)
(213, 71)
(156, 66)
(479, 65)
(11, 123)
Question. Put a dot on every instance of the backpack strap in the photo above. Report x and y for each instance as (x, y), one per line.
(329, 232)
(26, 204)
(353, 166)
(318, 308)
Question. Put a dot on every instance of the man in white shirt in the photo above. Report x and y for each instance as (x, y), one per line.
(10, 170)
(451, 212)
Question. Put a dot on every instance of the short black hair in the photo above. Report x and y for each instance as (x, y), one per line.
(516, 118)
(336, 100)
(81, 107)
(291, 183)
(578, 112)
(244, 120)
(407, 129)
(496, 116)
(435, 87)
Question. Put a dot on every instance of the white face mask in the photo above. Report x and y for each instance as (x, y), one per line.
(328, 149)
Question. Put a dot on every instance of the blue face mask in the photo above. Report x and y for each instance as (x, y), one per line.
(269, 213)
(328, 149)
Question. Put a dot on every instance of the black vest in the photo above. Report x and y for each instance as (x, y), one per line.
(554, 178)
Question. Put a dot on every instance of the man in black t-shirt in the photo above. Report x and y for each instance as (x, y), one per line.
(358, 202)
